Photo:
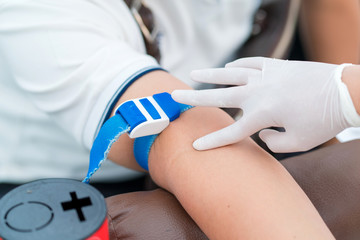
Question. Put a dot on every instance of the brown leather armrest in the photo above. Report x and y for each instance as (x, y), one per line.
(150, 215)
(330, 176)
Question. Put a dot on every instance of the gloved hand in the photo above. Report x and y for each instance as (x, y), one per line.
(308, 99)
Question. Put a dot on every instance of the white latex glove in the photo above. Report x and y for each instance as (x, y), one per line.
(308, 99)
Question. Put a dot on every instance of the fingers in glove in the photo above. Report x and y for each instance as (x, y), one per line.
(279, 142)
(250, 62)
(230, 76)
(236, 132)
(221, 97)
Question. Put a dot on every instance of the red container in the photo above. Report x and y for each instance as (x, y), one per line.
(102, 233)
(54, 209)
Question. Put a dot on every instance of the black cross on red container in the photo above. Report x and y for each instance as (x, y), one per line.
(53, 209)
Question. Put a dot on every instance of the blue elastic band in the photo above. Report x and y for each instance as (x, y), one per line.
(127, 116)
(142, 145)
(112, 129)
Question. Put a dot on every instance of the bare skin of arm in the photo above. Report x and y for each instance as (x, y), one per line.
(233, 192)
(331, 30)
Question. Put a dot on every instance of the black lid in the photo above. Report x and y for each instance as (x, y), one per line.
(51, 209)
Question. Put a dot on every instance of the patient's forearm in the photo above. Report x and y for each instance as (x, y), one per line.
(234, 192)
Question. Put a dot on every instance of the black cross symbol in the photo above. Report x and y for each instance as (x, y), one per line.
(77, 204)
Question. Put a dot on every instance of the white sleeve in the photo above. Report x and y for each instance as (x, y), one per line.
(73, 58)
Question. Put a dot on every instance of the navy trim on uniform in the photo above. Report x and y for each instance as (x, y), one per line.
(123, 87)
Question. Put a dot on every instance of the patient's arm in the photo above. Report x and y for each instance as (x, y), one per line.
(331, 30)
(233, 192)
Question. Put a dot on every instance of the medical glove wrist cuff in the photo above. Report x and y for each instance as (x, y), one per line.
(347, 105)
